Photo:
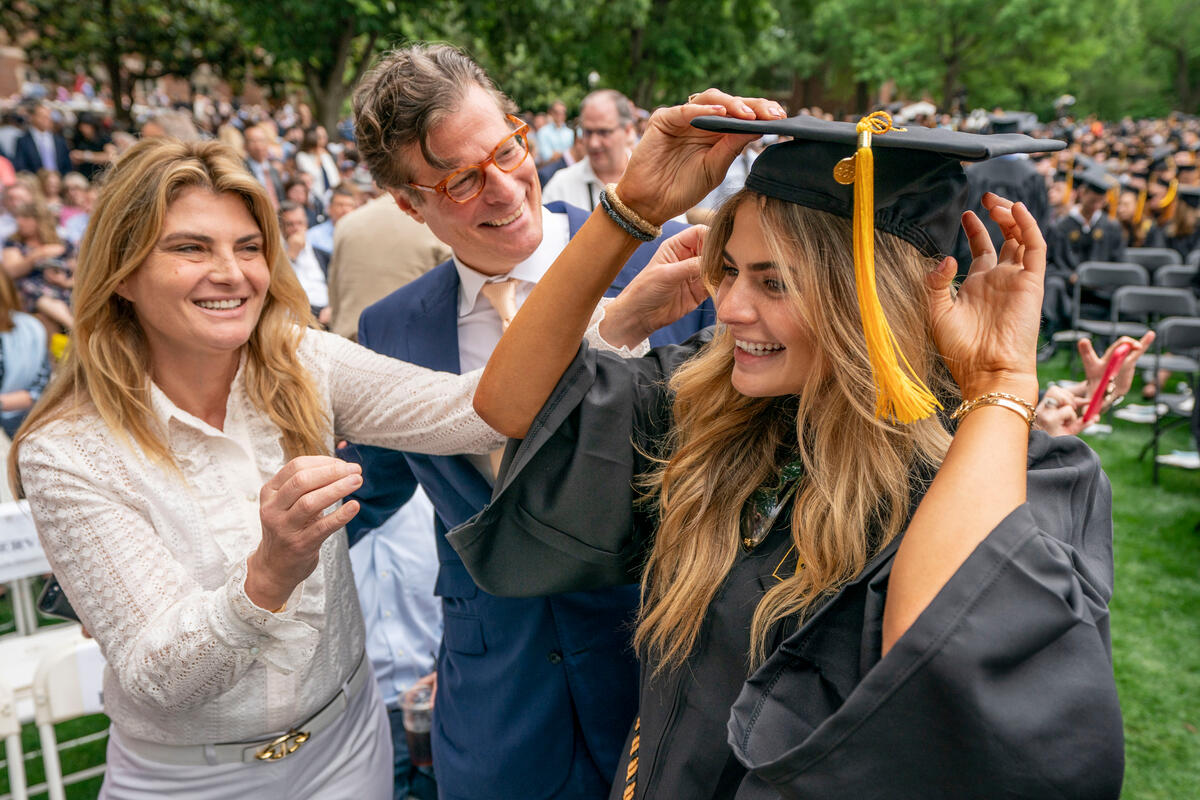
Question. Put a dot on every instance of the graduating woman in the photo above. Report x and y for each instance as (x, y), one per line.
(844, 593)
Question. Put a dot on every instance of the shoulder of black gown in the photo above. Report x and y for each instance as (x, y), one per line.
(562, 517)
(1003, 687)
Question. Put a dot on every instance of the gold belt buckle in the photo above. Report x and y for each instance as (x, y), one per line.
(282, 746)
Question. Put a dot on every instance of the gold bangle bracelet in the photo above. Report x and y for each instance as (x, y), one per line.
(1017, 405)
(632, 217)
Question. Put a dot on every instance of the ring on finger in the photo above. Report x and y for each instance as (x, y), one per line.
(692, 97)
(1051, 402)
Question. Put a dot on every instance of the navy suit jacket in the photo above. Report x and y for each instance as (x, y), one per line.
(519, 679)
(27, 158)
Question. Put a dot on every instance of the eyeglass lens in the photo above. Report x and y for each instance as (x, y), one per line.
(507, 157)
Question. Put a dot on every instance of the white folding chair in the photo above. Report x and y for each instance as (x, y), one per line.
(10, 731)
(67, 685)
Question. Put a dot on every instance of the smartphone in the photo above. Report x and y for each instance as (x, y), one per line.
(53, 601)
(1118, 357)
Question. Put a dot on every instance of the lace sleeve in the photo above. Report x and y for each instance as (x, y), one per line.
(391, 403)
(171, 643)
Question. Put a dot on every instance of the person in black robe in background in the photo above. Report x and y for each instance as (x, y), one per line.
(963, 650)
(1086, 233)
(1013, 177)
(1182, 232)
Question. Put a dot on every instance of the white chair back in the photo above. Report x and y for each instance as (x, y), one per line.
(67, 684)
(10, 732)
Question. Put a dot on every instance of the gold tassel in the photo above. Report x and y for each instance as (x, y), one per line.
(900, 395)
(1169, 197)
(1141, 207)
(1114, 194)
(1070, 181)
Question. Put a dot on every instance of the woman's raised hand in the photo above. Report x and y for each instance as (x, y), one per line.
(675, 165)
(987, 334)
(294, 525)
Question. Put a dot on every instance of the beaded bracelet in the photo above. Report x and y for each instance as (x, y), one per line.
(1013, 403)
(626, 217)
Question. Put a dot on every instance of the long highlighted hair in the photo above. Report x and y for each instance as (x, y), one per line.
(858, 482)
(106, 367)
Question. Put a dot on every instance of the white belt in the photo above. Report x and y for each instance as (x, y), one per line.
(269, 747)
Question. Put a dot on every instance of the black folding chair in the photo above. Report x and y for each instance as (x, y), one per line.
(1136, 309)
(1152, 257)
(1177, 347)
(1176, 275)
(1097, 276)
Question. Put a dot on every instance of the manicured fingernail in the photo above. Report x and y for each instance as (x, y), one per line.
(745, 109)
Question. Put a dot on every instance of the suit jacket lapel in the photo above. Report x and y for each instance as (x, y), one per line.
(432, 332)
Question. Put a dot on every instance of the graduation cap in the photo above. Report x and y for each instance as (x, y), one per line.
(907, 182)
(1096, 178)
(1160, 158)
(1189, 195)
(1004, 123)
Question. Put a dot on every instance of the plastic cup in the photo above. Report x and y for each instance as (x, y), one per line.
(417, 707)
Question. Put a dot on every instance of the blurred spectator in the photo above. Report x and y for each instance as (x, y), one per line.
(75, 197)
(314, 159)
(16, 195)
(297, 191)
(24, 358)
(81, 196)
(555, 137)
(51, 185)
(573, 155)
(34, 240)
(233, 137)
(257, 141)
(311, 266)
(377, 249)
(10, 130)
(8, 173)
(91, 148)
(344, 199)
(41, 147)
(175, 124)
(606, 127)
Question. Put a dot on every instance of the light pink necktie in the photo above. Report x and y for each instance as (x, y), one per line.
(503, 297)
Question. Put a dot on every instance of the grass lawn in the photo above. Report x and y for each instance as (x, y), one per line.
(1155, 622)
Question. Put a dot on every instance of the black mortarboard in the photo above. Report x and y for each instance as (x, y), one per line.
(1095, 177)
(920, 187)
(1159, 158)
(1004, 123)
(908, 182)
(1190, 195)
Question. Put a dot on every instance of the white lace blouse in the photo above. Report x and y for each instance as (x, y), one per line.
(155, 562)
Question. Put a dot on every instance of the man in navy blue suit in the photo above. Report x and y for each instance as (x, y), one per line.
(41, 147)
(535, 695)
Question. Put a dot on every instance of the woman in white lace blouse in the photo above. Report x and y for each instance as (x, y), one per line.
(171, 472)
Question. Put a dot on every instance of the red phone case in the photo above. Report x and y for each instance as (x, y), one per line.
(1114, 364)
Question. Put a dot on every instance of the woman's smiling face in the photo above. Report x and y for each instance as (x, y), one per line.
(199, 293)
(773, 352)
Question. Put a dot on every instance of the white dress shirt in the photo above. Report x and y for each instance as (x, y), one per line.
(154, 559)
(479, 325)
(312, 277)
(578, 185)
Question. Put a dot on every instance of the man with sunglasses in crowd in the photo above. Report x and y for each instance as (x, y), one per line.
(535, 695)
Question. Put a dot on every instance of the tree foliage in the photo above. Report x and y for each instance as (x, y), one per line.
(129, 39)
(1117, 57)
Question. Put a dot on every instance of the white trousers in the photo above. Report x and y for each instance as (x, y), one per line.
(349, 760)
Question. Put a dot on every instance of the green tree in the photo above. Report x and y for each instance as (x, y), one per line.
(325, 47)
(131, 40)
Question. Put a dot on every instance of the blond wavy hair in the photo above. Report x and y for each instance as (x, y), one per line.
(106, 367)
(859, 471)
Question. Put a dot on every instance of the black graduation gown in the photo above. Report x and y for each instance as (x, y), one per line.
(1068, 245)
(1003, 687)
(1014, 178)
